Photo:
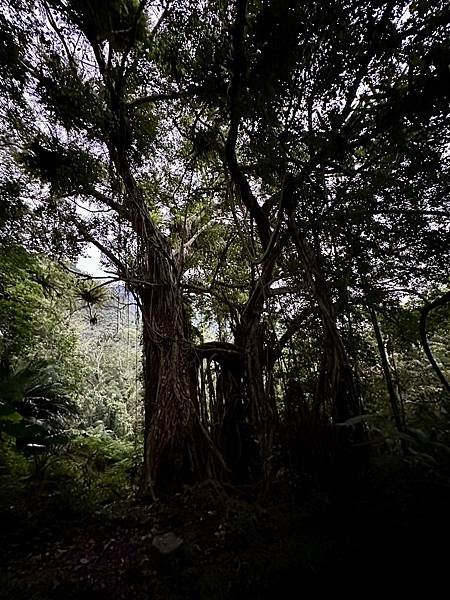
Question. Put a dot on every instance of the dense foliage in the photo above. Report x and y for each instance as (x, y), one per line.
(267, 183)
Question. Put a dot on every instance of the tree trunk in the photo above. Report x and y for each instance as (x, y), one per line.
(442, 301)
(336, 391)
(241, 423)
(260, 405)
(243, 413)
(177, 447)
(336, 384)
(392, 392)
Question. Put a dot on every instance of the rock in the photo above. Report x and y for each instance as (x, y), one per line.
(167, 543)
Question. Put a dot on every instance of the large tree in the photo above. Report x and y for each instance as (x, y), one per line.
(88, 128)
(285, 160)
(332, 132)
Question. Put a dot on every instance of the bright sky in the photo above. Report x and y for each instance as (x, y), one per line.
(90, 262)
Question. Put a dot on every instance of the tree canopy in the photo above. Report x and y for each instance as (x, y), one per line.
(270, 182)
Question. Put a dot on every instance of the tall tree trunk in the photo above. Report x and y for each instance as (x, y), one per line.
(227, 405)
(390, 384)
(336, 384)
(177, 447)
(260, 410)
(258, 418)
(336, 390)
(243, 412)
(442, 301)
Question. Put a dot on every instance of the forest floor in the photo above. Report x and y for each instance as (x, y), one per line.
(393, 528)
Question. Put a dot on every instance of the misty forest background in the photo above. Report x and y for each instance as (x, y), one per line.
(262, 365)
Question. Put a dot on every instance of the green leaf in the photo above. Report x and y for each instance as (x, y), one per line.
(7, 413)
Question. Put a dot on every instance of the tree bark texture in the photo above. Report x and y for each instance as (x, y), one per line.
(177, 447)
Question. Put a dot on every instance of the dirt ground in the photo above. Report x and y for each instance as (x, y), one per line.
(225, 546)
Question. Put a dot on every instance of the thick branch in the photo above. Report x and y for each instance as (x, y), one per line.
(59, 34)
(292, 328)
(221, 350)
(88, 237)
(237, 177)
(105, 199)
